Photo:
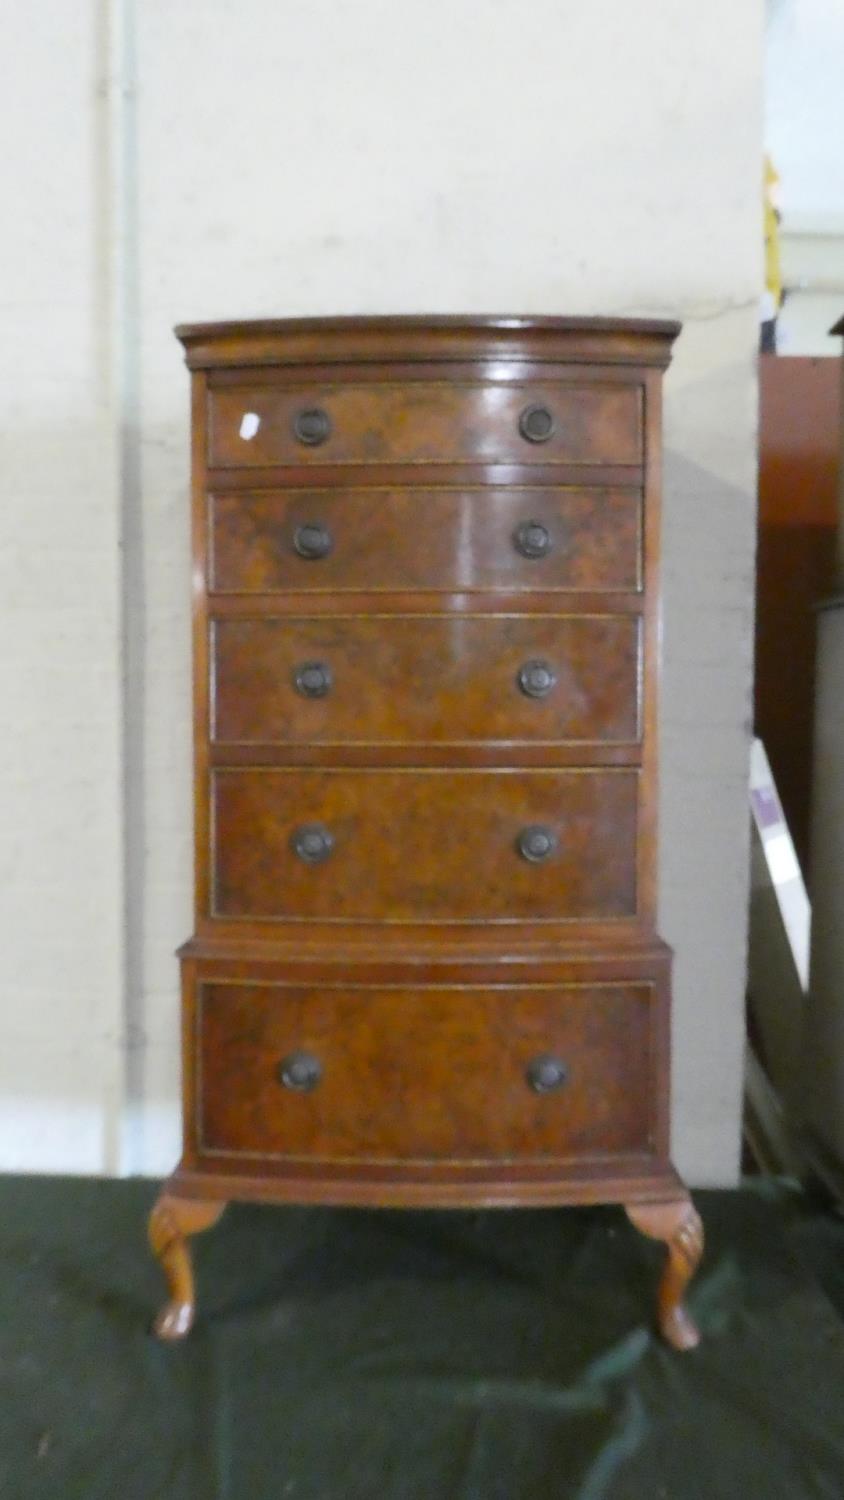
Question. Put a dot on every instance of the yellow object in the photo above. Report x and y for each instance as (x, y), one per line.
(773, 266)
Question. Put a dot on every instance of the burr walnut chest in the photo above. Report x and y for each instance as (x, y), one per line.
(425, 969)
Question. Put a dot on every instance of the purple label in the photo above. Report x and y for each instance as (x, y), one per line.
(767, 807)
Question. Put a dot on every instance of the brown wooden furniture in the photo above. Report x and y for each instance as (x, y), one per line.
(425, 969)
(822, 1092)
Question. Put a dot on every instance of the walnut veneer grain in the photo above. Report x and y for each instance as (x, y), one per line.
(426, 660)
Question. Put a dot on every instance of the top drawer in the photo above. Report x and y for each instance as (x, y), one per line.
(425, 422)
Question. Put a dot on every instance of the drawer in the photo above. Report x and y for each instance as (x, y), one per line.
(428, 1074)
(496, 538)
(458, 678)
(423, 845)
(425, 422)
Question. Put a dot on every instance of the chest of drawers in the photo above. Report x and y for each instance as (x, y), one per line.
(425, 969)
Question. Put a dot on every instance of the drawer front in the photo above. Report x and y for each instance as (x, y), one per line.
(424, 845)
(428, 1074)
(554, 539)
(425, 422)
(430, 680)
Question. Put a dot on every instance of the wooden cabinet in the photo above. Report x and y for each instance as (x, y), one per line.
(425, 968)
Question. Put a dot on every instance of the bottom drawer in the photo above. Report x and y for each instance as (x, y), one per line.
(430, 1074)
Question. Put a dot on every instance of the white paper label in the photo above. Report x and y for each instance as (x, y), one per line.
(782, 861)
(249, 426)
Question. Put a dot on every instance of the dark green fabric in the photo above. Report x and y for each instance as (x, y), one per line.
(417, 1356)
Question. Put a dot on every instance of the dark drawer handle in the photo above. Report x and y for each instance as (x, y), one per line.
(536, 679)
(536, 424)
(312, 541)
(300, 1071)
(313, 843)
(536, 843)
(313, 679)
(532, 539)
(546, 1073)
(312, 426)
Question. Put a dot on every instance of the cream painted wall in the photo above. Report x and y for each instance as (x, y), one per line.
(266, 159)
(61, 896)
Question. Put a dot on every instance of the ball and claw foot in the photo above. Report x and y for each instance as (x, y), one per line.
(171, 1223)
(678, 1224)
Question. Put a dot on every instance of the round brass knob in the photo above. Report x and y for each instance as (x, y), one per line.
(312, 540)
(311, 426)
(313, 679)
(300, 1071)
(546, 1073)
(536, 424)
(312, 843)
(532, 539)
(536, 843)
(536, 679)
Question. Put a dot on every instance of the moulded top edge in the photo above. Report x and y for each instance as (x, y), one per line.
(385, 322)
(446, 336)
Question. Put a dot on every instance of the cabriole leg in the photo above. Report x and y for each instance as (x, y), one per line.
(679, 1225)
(171, 1222)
